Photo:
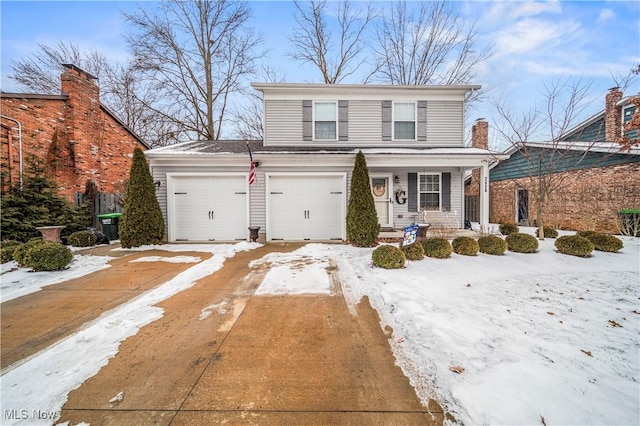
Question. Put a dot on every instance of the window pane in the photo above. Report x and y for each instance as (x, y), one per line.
(404, 130)
(430, 201)
(404, 112)
(429, 183)
(325, 111)
(325, 130)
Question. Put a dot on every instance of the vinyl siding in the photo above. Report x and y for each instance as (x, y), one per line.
(594, 132)
(283, 124)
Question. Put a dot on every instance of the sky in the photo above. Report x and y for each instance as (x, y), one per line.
(531, 336)
(533, 43)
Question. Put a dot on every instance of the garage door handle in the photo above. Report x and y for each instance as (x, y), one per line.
(272, 193)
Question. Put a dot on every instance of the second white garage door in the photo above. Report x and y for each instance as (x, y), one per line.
(306, 207)
(207, 208)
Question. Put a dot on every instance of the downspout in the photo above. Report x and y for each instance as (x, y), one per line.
(19, 145)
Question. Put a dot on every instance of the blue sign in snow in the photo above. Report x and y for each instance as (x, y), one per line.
(410, 235)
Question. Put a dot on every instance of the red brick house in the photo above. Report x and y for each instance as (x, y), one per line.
(595, 178)
(78, 138)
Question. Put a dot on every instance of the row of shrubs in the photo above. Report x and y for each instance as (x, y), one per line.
(581, 244)
(512, 228)
(37, 254)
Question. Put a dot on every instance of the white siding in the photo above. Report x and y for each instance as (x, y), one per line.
(283, 122)
(445, 123)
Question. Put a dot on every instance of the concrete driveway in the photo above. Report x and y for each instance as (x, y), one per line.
(221, 354)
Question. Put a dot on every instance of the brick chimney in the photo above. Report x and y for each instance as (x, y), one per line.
(613, 115)
(83, 122)
(480, 134)
(479, 139)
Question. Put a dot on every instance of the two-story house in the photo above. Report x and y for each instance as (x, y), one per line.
(412, 138)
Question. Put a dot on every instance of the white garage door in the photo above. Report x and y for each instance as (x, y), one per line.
(306, 207)
(208, 208)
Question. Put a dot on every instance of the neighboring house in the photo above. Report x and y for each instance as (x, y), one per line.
(596, 178)
(412, 138)
(73, 134)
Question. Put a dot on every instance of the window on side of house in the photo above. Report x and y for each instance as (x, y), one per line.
(325, 120)
(429, 193)
(404, 121)
(627, 115)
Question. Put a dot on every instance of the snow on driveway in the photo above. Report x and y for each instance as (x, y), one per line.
(34, 392)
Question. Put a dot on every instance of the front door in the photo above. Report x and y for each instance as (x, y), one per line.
(382, 199)
(523, 207)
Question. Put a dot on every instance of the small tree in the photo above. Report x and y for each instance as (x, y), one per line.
(141, 222)
(362, 219)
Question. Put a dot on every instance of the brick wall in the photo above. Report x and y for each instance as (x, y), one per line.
(72, 133)
(588, 201)
(613, 115)
(479, 139)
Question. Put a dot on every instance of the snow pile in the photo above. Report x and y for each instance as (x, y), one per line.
(42, 383)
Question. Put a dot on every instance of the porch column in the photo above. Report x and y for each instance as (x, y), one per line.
(484, 195)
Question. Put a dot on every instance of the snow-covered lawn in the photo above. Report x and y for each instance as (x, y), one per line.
(539, 336)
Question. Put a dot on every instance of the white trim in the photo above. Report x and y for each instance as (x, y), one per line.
(313, 121)
(343, 213)
(418, 192)
(171, 216)
(393, 121)
(389, 177)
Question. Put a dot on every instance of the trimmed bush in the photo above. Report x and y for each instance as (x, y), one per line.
(549, 232)
(9, 243)
(82, 239)
(363, 226)
(8, 247)
(508, 228)
(605, 242)
(522, 243)
(20, 252)
(48, 257)
(586, 234)
(388, 257)
(413, 251)
(574, 245)
(466, 246)
(439, 248)
(492, 244)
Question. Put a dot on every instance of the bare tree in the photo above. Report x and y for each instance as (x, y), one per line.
(336, 57)
(426, 43)
(248, 116)
(195, 56)
(542, 164)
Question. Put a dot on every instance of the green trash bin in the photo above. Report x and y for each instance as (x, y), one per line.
(109, 223)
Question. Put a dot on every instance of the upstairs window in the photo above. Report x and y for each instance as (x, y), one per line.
(627, 116)
(429, 191)
(325, 121)
(404, 121)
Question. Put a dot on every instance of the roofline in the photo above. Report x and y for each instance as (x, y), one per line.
(322, 86)
(124, 126)
(589, 121)
(575, 146)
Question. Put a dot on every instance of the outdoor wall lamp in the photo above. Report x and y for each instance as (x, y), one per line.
(396, 179)
(256, 163)
(157, 184)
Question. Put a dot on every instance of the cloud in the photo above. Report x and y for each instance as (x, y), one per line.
(534, 36)
(503, 11)
(605, 15)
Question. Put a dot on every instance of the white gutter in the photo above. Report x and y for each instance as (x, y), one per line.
(19, 144)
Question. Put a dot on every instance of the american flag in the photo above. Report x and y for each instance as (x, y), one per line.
(252, 169)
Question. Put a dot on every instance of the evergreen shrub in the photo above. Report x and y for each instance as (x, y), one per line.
(82, 239)
(413, 251)
(605, 242)
(586, 234)
(522, 243)
(388, 257)
(20, 252)
(466, 246)
(6, 253)
(508, 228)
(549, 232)
(492, 244)
(439, 248)
(362, 219)
(574, 245)
(48, 257)
(141, 222)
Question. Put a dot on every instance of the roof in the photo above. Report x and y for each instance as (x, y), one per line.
(222, 147)
(37, 96)
(317, 88)
(605, 147)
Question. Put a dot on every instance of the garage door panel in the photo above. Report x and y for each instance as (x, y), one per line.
(209, 208)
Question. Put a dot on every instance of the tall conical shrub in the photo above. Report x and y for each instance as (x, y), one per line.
(141, 222)
(362, 219)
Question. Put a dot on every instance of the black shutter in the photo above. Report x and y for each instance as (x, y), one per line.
(422, 120)
(446, 191)
(413, 192)
(307, 120)
(386, 120)
(343, 120)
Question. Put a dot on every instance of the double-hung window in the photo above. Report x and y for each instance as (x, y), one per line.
(325, 121)
(627, 116)
(429, 191)
(404, 121)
